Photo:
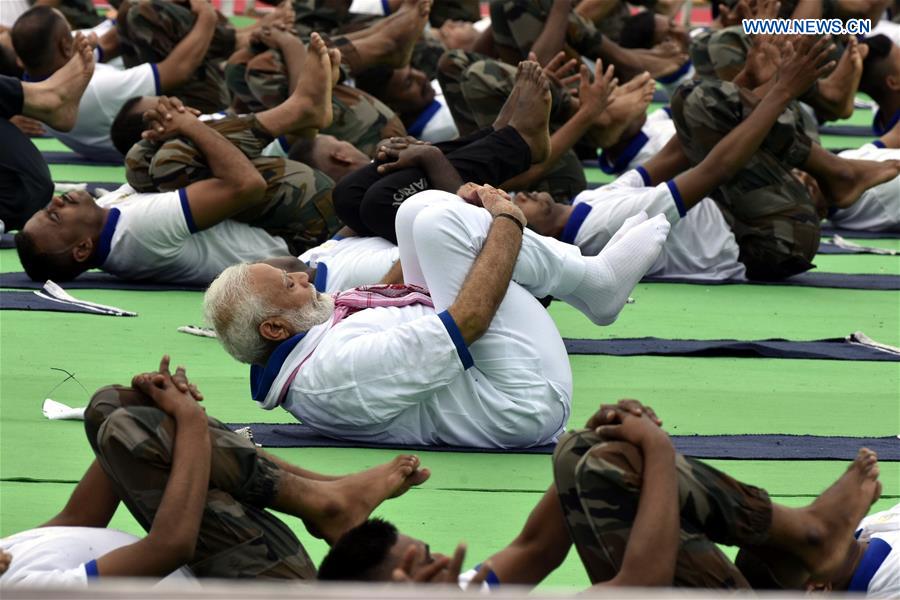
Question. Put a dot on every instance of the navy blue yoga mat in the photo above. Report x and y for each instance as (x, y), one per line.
(848, 281)
(854, 130)
(7, 241)
(748, 447)
(827, 349)
(29, 301)
(860, 235)
(73, 158)
(95, 280)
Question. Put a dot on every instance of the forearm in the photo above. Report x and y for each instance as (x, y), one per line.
(488, 280)
(441, 174)
(92, 504)
(184, 59)
(394, 274)
(177, 521)
(552, 38)
(225, 161)
(109, 45)
(667, 163)
(561, 141)
(653, 542)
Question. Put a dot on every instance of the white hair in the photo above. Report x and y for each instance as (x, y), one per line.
(235, 310)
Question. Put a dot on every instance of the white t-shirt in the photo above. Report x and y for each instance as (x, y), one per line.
(436, 123)
(11, 10)
(404, 375)
(878, 574)
(153, 236)
(105, 95)
(370, 7)
(345, 263)
(878, 209)
(700, 244)
(62, 556)
(656, 133)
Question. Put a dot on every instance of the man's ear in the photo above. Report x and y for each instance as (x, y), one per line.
(893, 82)
(83, 250)
(275, 329)
(66, 46)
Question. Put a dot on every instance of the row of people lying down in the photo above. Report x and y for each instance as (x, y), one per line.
(196, 204)
(638, 513)
(440, 345)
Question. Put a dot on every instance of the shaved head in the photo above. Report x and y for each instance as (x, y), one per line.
(36, 35)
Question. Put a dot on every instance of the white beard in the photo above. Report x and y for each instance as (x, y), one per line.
(315, 312)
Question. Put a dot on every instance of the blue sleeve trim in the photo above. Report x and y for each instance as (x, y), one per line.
(457, 338)
(422, 120)
(337, 237)
(631, 150)
(321, 279)
(156, 83)
(681, 72)
(282, 141)
(576, 220)
(667, 110)
(186, 209)
(875, 555)
(645, 176)
(878, 144)
(491, 579)
(100, 55)
(90, 568)
(385, 7)
(676, 195)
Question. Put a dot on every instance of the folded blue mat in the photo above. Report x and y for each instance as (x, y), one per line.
(854, 130)
(30, 301)
(73, 158)
(744, 447)
(826, 349)
(96, 280)
(7, 241)
(860, 235)
(847, 281)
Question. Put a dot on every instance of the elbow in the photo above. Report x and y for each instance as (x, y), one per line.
(472, 324)
(178, 549)
(252, 188)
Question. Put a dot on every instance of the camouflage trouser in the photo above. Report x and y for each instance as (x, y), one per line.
(133, 441)
(457, 10)
(771, 213)
(80, 14)
(359, 118)
(152, 29)
(297, 202)
(599, 486)
(476, 87)
(516, 25)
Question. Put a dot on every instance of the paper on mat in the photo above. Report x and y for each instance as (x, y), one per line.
(57, 411)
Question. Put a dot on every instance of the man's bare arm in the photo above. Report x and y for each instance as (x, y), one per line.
(487, 282)
(441, 174)
(235, 184)
(552, 38)
(92, 504)
(179, 66)
(172, 539)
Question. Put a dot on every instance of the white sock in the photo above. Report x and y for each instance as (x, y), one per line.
(626, 226)
(611, 275)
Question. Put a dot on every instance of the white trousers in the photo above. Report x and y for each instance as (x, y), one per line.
(521, 358)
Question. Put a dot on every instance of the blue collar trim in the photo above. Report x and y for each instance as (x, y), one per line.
(876, 124)
(321, 277)
(631, 150)
(877, 551)
(261, 379)
(491, 579)
(681, 72)
(576, 219)
(104, 244)
(421, 121)
(30, 79)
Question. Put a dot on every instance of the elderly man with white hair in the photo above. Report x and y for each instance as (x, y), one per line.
(462, 354)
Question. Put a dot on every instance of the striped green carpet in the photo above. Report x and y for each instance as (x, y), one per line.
(480, 499)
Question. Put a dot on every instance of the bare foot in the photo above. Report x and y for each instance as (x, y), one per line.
(531, 113)
(334, 55)
(844, 184)
(395, 38)
(353, 498)
(831, 519)
(838, 90)
(509, 107)
(631, 102)
(55, 100)
(659, 61)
